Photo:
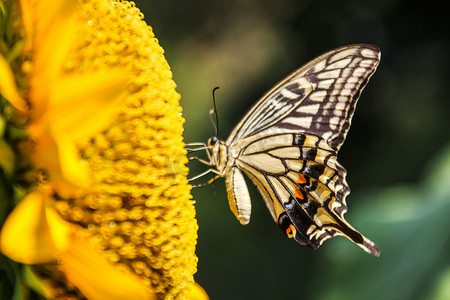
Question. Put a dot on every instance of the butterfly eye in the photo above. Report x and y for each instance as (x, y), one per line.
(212, 141)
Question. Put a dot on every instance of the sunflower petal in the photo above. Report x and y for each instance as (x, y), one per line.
(197, 292)
(54, 35)
(60, 229)
(25, 236)
(60, 159)
(73, 173)
(98, 279)
(26, 10)
(94, 98)
(8, 87)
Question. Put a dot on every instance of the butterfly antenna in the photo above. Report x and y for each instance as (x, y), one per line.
(216, 126)
(215, 120)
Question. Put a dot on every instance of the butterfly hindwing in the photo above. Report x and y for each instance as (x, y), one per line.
(302, 184)
(319, 98)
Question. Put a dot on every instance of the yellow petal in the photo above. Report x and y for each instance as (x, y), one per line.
(8, 87)
(55, 33)
(25, 236)
(26, 9)
(72, 169)
(46, 155)
(197, 293)
(98, 279)
(60, 229)
(52, 39)
(60, 158)
(83, 105)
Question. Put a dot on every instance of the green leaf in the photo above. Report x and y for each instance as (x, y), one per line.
(6, 158)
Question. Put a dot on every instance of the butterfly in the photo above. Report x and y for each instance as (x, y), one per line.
(287, 144)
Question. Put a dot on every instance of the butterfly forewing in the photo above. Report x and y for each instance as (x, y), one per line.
(319, 98)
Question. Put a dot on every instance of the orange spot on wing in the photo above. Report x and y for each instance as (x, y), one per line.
(290, 231)
(301, 179)
(298, 194)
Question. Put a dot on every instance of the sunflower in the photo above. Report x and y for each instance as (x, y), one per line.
(92, 137)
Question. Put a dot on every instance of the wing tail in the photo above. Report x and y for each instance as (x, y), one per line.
(340, 227)
(325, 224)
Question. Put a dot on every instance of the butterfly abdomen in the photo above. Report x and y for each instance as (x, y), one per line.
(238, 196)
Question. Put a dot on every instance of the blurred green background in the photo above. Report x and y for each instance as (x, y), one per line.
(397, 153)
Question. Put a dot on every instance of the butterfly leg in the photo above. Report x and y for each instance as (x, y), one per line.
(195, 144)
(208, 182)
(194, 147)
(205, 173)
(208, 163)
(202, 146)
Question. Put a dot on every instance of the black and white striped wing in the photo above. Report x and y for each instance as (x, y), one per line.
(303, 186)
(319, 98)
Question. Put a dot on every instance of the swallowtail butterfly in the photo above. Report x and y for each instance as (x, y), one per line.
(287, 145)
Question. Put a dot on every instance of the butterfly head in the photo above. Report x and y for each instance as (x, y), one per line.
(213, 141)
(219, 153)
